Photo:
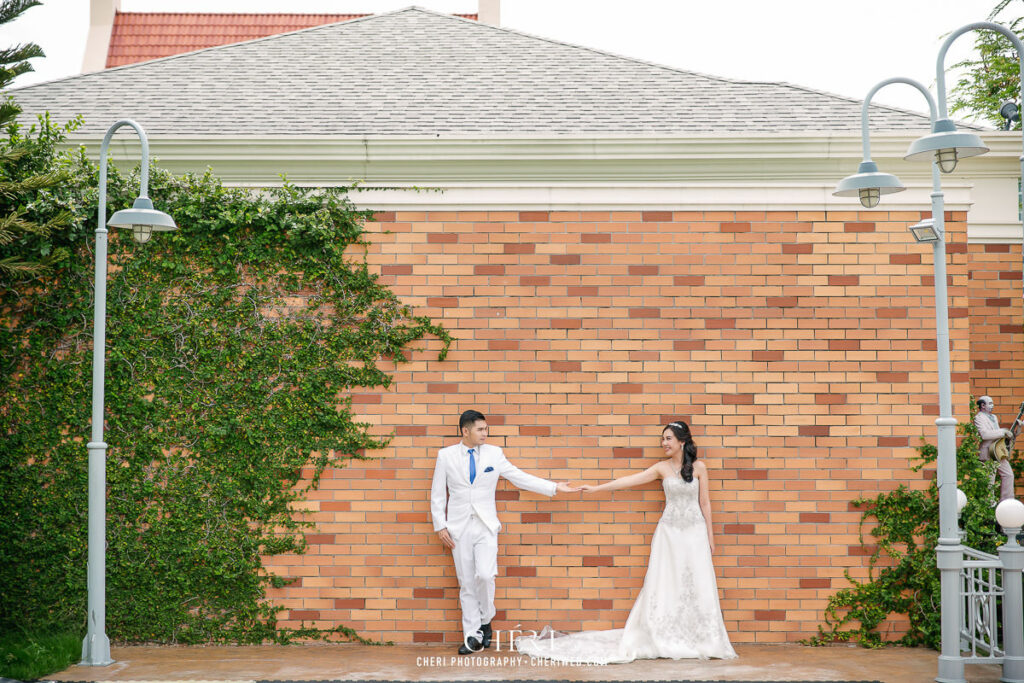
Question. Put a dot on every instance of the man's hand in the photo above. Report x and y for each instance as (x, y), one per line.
(1008, 433)
(563, 487)
(446, 538)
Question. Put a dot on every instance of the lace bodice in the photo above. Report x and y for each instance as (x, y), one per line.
(682, 504)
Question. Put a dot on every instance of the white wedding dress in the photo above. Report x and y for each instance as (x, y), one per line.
(676, 615)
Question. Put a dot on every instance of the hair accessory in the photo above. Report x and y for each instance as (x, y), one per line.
(675, 424)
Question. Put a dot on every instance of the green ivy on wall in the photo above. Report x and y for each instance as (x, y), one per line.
(904, 578)
(232, 345)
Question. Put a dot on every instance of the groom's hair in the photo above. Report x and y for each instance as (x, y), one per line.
(469, 418)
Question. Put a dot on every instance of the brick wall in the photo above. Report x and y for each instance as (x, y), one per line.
(997, 330)
(800, 346)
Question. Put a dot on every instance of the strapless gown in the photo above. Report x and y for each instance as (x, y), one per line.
(677, 614)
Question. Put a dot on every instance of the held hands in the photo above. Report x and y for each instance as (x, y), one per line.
(588, 488)
(563, 487)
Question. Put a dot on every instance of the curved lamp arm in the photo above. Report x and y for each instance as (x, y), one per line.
(940, 73)
(143, 166)
(865, 136)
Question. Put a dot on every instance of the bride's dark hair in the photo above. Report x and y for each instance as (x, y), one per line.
(682, 432)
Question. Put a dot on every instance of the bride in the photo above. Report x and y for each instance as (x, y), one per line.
(677, 613)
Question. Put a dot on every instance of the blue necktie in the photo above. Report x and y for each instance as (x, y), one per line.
(472, 466)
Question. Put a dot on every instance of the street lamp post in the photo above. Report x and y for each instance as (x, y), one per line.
(1010, 515)
(143, 220)
(869, 184)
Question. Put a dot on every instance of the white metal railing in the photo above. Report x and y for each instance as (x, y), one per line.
(981, 594)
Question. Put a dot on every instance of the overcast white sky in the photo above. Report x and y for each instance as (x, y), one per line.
(839, 46)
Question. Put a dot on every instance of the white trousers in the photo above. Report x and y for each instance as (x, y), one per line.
(476, 564)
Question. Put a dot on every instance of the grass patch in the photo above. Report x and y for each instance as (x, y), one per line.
(28, 656)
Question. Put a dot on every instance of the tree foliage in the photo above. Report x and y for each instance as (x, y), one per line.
(14, 60)
(993, 77)
(233, 346)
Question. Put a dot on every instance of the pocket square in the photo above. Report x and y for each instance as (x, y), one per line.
(489, 469)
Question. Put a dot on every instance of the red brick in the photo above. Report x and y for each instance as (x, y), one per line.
(798, 248)
(813, 430)
(643, 270)
(752, 474)
(688, 280)
(521, 571)
(304, 614)
(644, 313)
(624, 452)
(626, 388)
(597, 603)
(534, 216)
(396, 270)
(443, 388)
(598, 561)
(442, 237)
(319, 539)
(535, 281)
(656, 216)
(859, 227)
(734, 227)
(489, 270)
(843, 280)
(565, 259)
(816, 583)
(535, 517)
(443, 301)
(738, 529)
(521, 248)
(770, 614)
(815, 517)
(427, 637)
(595, 238)
(428, 592)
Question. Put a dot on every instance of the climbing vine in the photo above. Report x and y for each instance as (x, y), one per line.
(904, 531)
(232, 347)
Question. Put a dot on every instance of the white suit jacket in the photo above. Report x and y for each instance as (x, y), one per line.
(451, 476)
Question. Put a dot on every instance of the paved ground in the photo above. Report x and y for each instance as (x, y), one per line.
(433, 663)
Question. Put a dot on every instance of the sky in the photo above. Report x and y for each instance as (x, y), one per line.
(839, 46)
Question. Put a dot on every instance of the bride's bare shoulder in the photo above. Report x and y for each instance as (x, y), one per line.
(699, 467)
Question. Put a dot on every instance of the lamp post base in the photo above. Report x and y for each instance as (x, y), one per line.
(96, 650)
(951, 670)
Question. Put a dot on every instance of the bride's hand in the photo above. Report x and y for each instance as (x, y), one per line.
(587, 488)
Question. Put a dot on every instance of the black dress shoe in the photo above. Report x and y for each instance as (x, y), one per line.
(469, 646)
(487, 633)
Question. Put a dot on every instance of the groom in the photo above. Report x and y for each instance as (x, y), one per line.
(468, 472)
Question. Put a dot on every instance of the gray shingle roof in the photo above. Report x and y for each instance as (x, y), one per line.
(418, 72)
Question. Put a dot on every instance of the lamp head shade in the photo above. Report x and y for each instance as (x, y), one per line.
(946, 146)
(142, 219)
(869, 184)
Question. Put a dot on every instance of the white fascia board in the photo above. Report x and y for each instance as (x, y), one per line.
(707, 172)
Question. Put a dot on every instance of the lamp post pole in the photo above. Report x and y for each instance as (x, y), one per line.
(869, 184)
(143, 220)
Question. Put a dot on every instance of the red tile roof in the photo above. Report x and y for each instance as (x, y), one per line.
(141, 36)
